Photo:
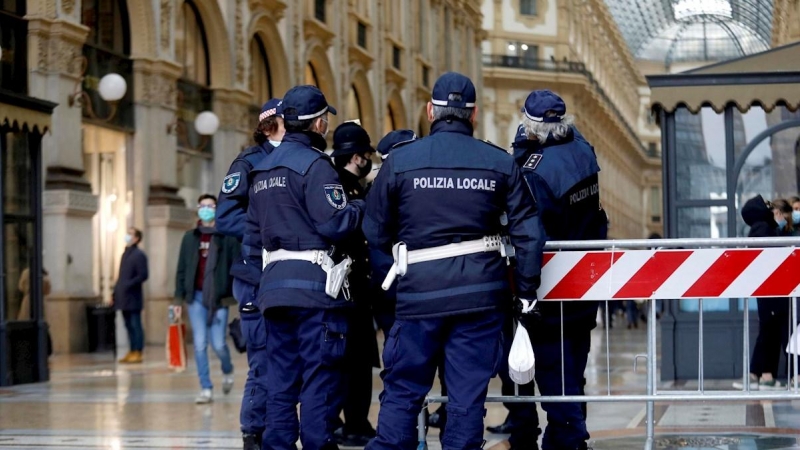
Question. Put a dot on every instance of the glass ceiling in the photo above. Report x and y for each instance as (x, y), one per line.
(693, 30)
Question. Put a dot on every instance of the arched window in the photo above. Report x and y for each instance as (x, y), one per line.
(311, 75)
(260, 76)
(191, 45)
(389, 123)
(353, 105)
(108, 27)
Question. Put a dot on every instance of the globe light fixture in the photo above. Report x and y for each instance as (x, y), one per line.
(206, 123)
(112, 87)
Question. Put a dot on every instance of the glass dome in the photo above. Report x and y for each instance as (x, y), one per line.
(693, 30)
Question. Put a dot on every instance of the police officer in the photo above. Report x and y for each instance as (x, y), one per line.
(352, 156)
(298, 212)
(562, 171)
(439, 200)
(384, 304)
(231, 213)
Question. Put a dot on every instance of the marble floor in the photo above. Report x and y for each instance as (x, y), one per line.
(93, 403)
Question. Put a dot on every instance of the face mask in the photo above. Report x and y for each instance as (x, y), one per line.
(796, 217)
(206, 214)
(274, 143)
(364, 171)
(325, 134)
(781, 223)
(128, 239)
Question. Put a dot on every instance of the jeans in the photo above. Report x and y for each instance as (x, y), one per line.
(133, 323)
(198, 317)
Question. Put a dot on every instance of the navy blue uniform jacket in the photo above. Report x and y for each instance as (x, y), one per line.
(563, 176)
(133, 273)
(232, 206)
(297, 203)
(447, 188)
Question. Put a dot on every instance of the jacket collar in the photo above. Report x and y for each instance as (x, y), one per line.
(308, 139)
(459, 126)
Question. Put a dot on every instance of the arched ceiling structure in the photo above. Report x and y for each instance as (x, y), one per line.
(694, 30)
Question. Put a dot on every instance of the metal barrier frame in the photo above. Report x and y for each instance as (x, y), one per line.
(652, 396)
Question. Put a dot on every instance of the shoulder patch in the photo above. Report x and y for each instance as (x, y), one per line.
(494, 145)
(533, 161)
(231, 182)
(335, 195)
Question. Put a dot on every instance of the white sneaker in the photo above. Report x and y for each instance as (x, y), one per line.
(227, 384)
(205, 396)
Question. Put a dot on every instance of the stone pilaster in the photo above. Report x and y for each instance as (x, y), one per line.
(166, 225)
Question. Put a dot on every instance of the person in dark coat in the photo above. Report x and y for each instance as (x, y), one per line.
(352, 157)
(203, 281)
(128, 296)
(767, 220)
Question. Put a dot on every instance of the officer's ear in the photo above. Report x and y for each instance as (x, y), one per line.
(474, 115)
(429, 109)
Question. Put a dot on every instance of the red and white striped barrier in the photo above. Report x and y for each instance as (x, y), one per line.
(670, 274)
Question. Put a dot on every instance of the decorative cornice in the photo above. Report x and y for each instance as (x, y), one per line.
(232, 106)
(314, 28)
(155, 82)
(359, 56)
(56, 46)
(69, 202)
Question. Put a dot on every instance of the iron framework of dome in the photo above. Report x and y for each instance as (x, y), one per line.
(693, 30)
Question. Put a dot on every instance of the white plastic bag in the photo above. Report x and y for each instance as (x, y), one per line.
(794, 342)
(520, 359)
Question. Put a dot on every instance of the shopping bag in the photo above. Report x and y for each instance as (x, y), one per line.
(794, 342)
(520, 359)
(176, 348)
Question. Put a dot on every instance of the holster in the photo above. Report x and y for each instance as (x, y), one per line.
(337, 277)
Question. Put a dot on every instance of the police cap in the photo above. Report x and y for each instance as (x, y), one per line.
(350, 138)
(539, 103)
(392, 139)
(454, 83)
(271, 108)
(307, 101)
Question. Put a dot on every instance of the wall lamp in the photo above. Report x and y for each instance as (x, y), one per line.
(206, 124)
(112, 87)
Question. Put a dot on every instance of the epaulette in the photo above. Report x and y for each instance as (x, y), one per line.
(494, 145)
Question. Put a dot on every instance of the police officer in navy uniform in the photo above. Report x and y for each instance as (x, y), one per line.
(231, 213)
(352, 156)
(437, 204)
(298, 212)
(561, 169)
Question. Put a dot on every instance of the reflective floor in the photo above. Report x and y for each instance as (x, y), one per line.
(93, 403)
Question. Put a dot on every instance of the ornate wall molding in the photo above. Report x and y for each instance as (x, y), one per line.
(171, 216)
(241, 56)
(154, 82)
(69, 202)
(56, 45)
(68, 6)
(233, 109)
(166, 25)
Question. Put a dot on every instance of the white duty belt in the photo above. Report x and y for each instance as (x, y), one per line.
(404, 257)
(336, 278)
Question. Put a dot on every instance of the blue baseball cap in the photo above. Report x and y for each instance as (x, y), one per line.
(271, 108)
(539, 103)
(392, 139)
(453, 83)
(307, 101)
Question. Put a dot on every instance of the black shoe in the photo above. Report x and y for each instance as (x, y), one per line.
(503, 428)
(355, 440)
(251, 442)
(438, 419)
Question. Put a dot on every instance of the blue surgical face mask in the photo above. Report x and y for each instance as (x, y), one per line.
(781, 224)
(275, 143)
(206, 213)
(796, 217)
(128, 239)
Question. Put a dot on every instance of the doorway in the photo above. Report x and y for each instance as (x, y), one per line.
(104, 152)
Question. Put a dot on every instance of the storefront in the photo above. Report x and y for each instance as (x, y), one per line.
(23, 330)
(730, 131)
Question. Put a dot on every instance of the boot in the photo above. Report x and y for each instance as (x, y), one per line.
(251, 442)
(136, 358)
(126, 359)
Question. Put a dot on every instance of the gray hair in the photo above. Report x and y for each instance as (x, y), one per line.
(541, 130)
(444, 112)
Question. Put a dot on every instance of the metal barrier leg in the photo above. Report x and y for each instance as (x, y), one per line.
(792, 336)
(423, 445)
(651, 375)
(746, 345)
